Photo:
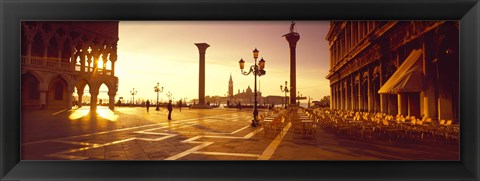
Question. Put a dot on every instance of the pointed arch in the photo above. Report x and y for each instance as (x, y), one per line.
(57, 93)
(30, 94)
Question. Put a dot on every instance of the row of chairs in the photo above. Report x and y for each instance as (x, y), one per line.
(380, 125)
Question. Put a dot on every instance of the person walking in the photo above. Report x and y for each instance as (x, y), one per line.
(180, 105)
(148, 105)
(170, 108)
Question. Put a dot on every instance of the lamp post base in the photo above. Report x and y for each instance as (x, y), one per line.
(255, 123)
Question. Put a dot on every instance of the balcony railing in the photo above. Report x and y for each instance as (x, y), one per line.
(55, 63)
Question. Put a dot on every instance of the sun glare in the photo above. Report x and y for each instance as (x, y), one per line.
(79, 113)
(107, 114)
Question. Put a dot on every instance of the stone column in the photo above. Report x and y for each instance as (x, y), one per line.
(82, 60)
(402, 103)
(69, 97)
(292, 39)
(369, 92)
(80, 95)
(360, 102)
(43, 99)
(331, 97)
(202, 47)
(429, 98)
(340, 91)
(93, 99)
(113, 59)
(347, 106)
(334, 98)
(111, 99)
(352, 93)
(337, 96)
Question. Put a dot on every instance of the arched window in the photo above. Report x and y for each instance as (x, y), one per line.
(58, 91)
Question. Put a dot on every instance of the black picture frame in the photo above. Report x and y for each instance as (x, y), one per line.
(12, 12)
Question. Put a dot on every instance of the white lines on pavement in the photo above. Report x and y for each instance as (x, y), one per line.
(240, 129)
(268, 153)
(55, 113)
(177, 125)
(185, 153)
(116, 130)
(74, 142)
(72, 157)
(226, 154)
(205, 144)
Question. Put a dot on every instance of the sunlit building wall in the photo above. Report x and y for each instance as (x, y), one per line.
(395, 67)
(58, 57)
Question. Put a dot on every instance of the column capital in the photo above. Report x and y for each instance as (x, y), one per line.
(292, 39)
(202, 47)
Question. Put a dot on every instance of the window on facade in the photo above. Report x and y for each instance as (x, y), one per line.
(58, 91)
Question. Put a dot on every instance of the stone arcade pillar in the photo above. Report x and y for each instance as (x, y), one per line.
(80, 95)
(93, 99)
(331, 97)
(111, 99)
(292, 39)
(43, 99)
(352, 94)
(202, 47)
(69, 97)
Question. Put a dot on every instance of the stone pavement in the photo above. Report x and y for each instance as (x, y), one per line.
(215, 134)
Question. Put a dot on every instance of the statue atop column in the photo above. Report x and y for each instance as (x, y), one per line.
(292, 27)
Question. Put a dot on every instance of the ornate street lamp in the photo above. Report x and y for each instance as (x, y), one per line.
(257, 70)
(133, 93)
(169, 95)
(158, 90)
(286, 91)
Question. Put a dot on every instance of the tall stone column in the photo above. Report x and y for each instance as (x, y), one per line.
(202, 47)
(292, 39)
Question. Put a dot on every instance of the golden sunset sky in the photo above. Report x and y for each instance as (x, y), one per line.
(164, 51)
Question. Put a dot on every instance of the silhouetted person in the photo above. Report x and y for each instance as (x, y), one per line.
(148, 105)
(239, 105)
(170, 108)
(180, 105)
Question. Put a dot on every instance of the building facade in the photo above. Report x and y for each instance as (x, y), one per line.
(395, 67)
(61, 57)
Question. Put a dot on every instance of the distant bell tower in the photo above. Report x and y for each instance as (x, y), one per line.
(230, 86)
